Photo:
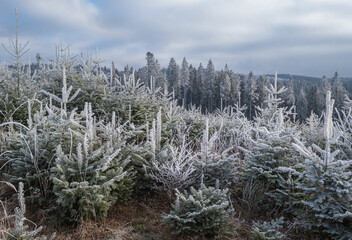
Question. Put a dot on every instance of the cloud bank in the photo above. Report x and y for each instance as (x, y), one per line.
(311, 37)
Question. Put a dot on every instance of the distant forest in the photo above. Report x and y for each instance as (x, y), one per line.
(211, 89)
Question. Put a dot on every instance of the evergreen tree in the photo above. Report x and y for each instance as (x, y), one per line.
(324, 87)
(174, 79)
(235, 89)
(251, 95)
(193, 94)
(338, 91)
(185, 79)
(204, 212)
(290, 96)
(153, 71)
(313, 101)
(261, 92)
(274, 163)
(209, 78)
(226, 90)
(302, 105)
(201, 89)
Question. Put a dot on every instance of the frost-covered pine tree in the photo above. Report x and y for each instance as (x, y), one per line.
(268, 114)
(268, 230)
(326, 184)
(261, 91)
(18, 82)
(273, 162)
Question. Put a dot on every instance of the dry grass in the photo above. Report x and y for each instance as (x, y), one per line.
(133, 220)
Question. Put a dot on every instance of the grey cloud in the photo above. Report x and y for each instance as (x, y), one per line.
(293, 36)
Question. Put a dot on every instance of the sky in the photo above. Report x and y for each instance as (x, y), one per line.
(303, 37)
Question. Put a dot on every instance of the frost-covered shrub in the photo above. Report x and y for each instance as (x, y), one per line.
(194, 120)
(204, 212)
(233, 129)
(172, 168)
(268, 230)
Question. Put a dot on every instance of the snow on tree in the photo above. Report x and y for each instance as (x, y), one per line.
(273, 160)
(88, 179)
(324, 87)
(265, 116)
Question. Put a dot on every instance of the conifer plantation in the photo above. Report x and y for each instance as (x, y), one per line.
(88, 151)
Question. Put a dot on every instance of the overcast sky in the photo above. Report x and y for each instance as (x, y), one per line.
(307, 37)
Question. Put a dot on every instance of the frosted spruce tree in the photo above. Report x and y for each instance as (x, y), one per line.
(214, 166)
(202, 212)
(268, 114)
(326, 184)
(18, 82)
(169, 161)
(273, 161)
(32, 147)
(87, 180)
(20, 228)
